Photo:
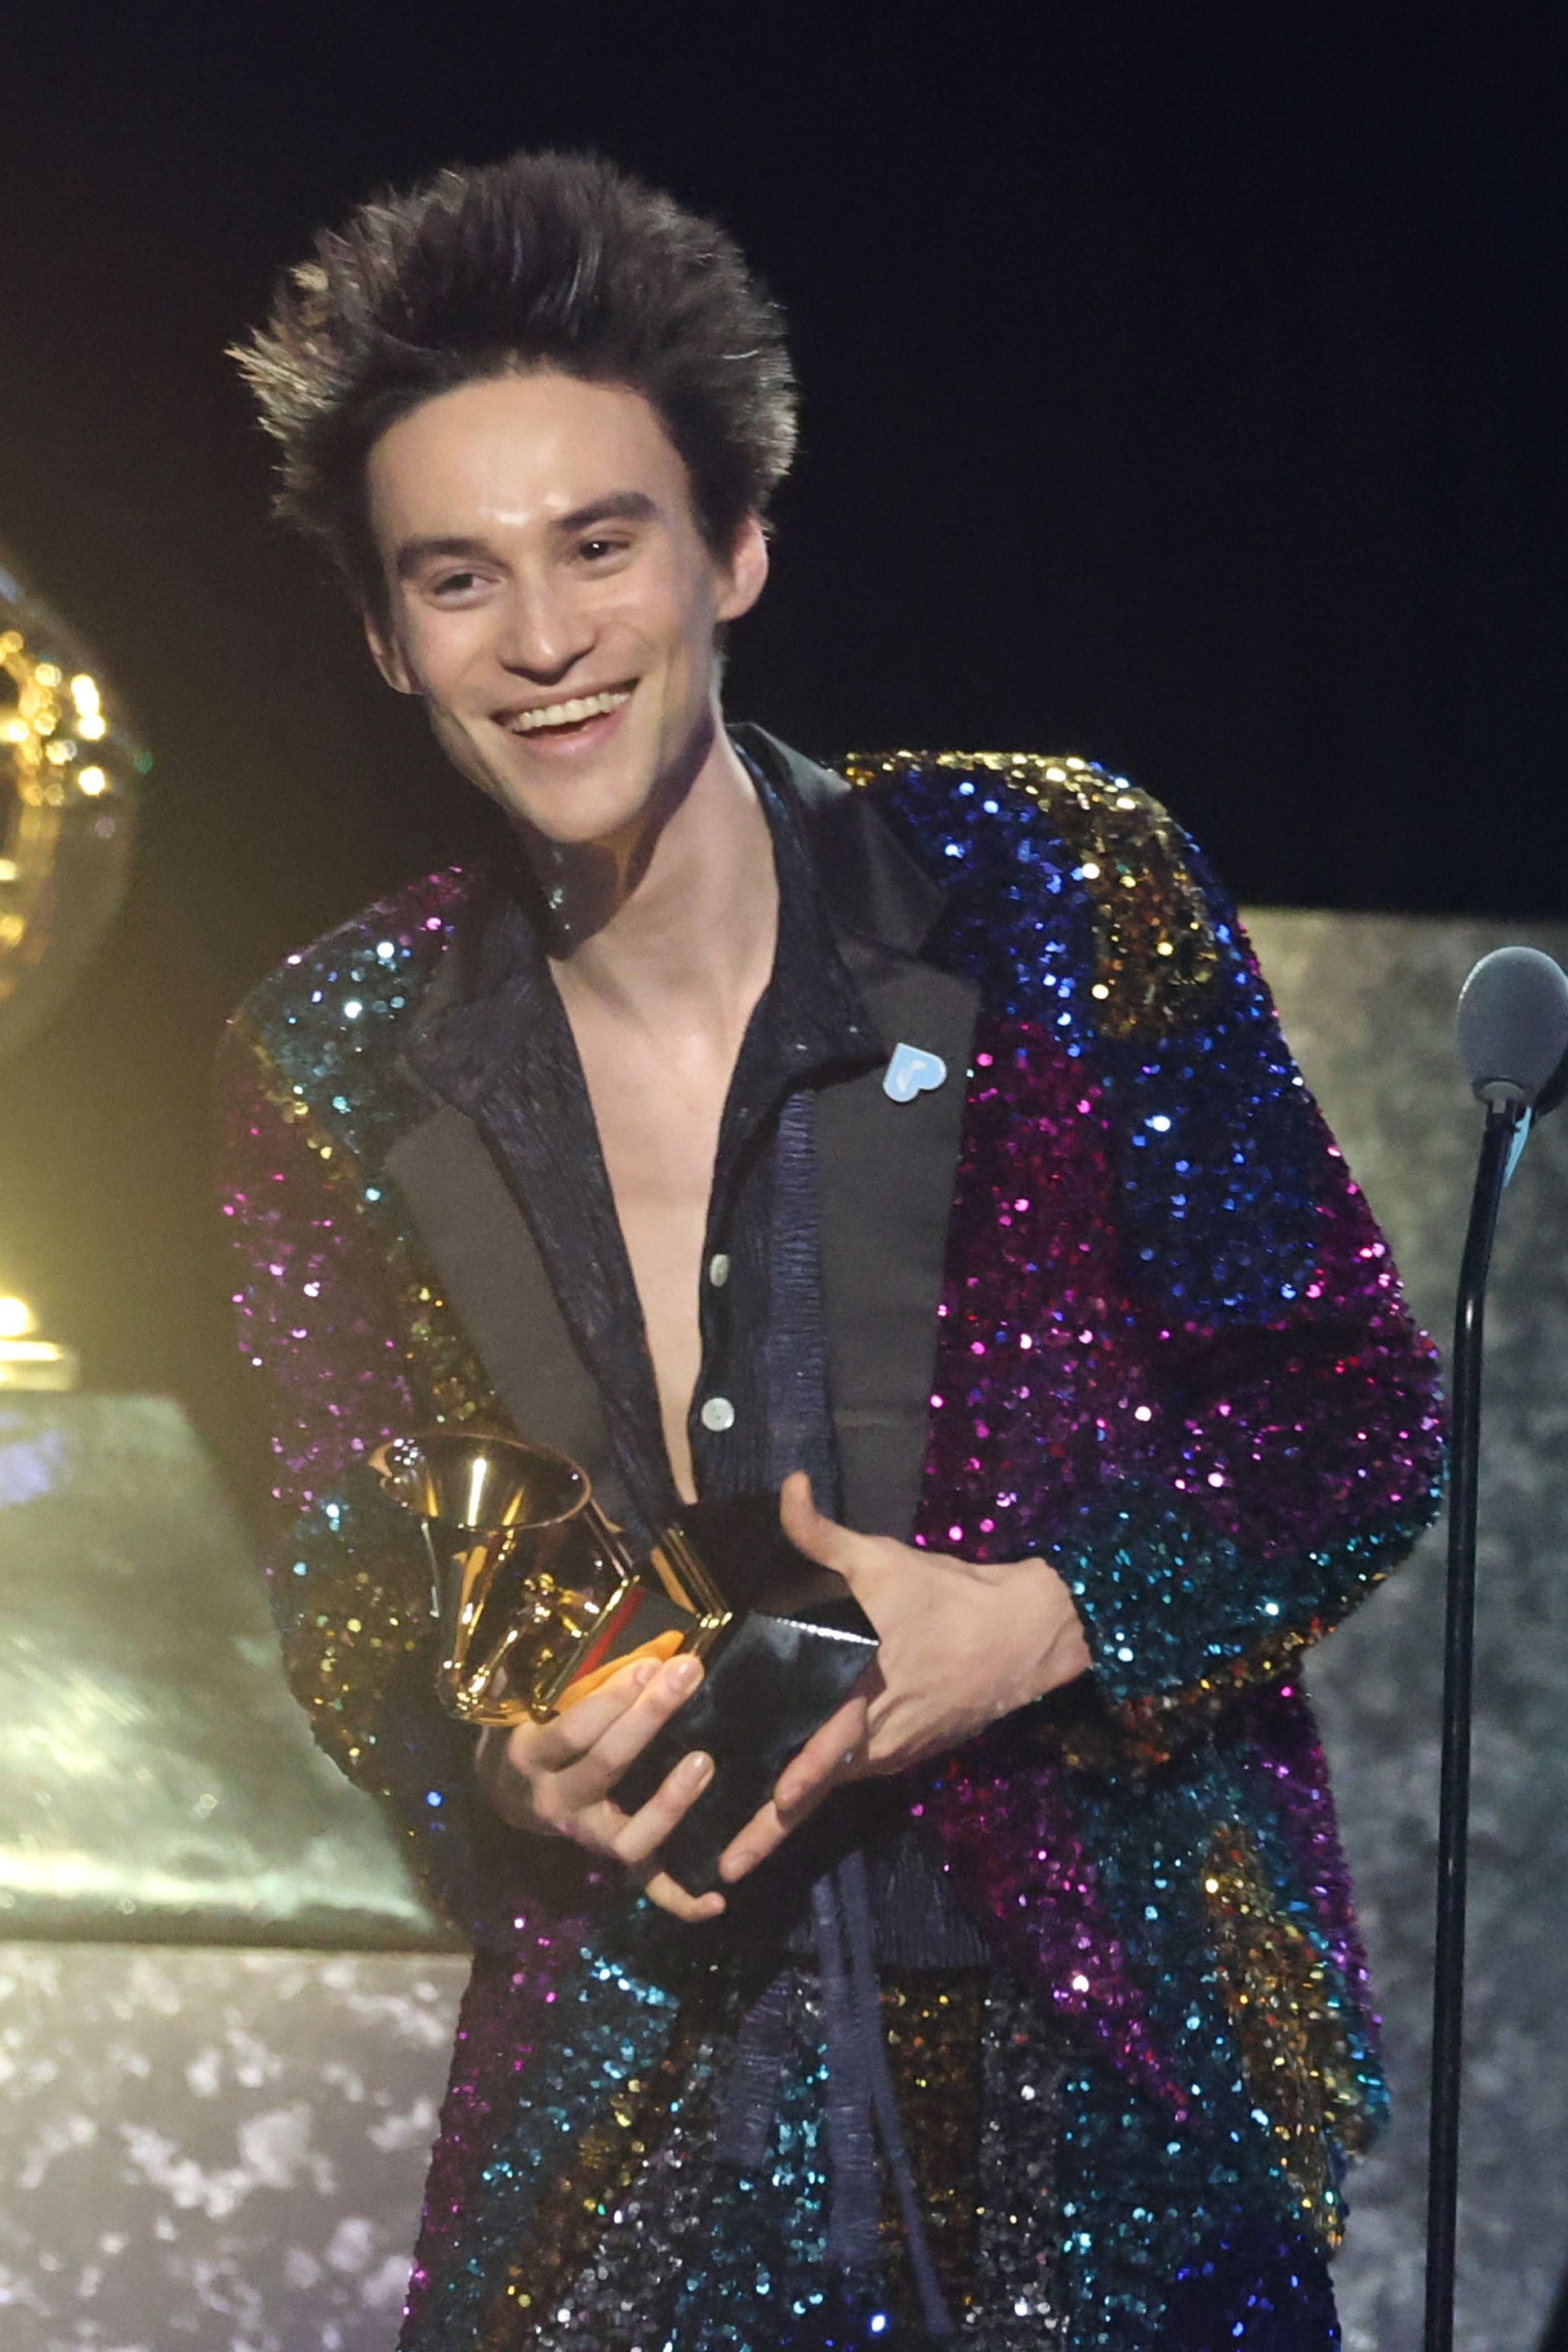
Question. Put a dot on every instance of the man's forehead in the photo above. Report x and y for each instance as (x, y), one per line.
(537, 421)
(515, 453)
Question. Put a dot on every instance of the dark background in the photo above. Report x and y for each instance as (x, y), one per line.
(1183, 385)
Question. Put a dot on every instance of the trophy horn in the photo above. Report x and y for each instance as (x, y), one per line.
(526, 1573)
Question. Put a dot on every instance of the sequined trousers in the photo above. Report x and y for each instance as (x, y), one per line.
(999, 2117)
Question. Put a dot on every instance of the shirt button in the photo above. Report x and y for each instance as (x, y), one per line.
(719, 1270)
(717, 1413)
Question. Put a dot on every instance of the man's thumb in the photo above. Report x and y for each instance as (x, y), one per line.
(810, 1530)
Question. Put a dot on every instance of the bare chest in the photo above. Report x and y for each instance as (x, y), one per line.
(657, 1119)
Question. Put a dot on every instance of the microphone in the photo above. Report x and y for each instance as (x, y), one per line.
(1513, 1047)
(1513, 1030)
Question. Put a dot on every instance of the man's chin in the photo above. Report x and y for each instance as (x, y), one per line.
(566, 812)
(577, 820)
(605, 803)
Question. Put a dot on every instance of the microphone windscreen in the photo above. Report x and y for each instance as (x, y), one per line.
(1513, 1023)
(1553, 1091)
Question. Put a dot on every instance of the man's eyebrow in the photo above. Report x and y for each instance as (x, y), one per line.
(617, 506)
(413, 553)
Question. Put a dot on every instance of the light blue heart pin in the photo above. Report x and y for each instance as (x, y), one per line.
(912, 1071)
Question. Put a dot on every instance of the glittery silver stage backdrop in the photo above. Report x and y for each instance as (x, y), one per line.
(224, 2019)
(1368, 1006)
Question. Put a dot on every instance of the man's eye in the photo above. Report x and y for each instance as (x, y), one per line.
(454, 583)
(596, 550)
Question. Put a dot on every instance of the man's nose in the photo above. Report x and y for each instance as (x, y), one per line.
(543, 630)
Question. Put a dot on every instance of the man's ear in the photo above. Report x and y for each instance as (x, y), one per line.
(386, 654)
(746, 572)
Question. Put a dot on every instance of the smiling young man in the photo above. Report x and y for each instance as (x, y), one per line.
(915, 1142)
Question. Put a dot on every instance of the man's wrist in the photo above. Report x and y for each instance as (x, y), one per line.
(1062, 1653)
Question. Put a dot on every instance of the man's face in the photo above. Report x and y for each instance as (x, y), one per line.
(550, 597)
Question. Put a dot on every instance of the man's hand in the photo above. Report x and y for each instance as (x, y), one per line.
(962, 1645)
(557, 1776)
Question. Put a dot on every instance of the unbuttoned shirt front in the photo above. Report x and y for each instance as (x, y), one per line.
(761, 1407)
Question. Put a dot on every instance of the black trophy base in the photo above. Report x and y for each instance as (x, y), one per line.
(772, 1684)
(793, 1654)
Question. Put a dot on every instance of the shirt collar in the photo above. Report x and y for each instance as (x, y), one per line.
(813, 1012)
(841, 881)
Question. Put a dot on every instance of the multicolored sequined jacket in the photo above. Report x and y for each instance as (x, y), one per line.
(1167, 1349)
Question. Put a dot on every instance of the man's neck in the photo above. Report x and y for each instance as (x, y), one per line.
(673, 932)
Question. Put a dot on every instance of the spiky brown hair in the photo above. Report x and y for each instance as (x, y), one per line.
(545, 260)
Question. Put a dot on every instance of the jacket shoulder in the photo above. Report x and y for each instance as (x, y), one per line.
(320, 1039)
(1044, 797)
(362, 974)
(1033, 842)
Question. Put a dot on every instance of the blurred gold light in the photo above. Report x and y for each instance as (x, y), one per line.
(25, 1361)
(38, 1364)
(60, 873)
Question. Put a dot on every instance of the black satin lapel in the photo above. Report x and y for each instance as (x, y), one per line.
(886, 1170)
(480, 1242)
(871, 885)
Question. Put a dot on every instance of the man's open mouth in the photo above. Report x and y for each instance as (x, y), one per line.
(553, 719)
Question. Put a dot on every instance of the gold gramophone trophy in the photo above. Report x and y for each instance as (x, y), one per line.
(535, 1595)
(532, 1587)
(66, 771)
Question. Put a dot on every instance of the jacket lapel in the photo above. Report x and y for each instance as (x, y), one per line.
(477, 1238)
(471, 1223)
(886, 1171)
(885, 1168)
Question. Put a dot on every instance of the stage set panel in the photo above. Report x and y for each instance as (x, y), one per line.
(225, 2017)
(1368, 1006)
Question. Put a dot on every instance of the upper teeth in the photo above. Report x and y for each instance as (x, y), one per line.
(567, 714)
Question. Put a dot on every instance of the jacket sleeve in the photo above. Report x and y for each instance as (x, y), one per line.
(319, 1321)
(1285, 1450)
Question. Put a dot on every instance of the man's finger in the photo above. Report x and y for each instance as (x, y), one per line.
(647, 1829)
(811, 1530)
(829, 1755)
(551, 1746)
(591, 1771)
(764, 1835)
(671, 1897)
(662, 1646)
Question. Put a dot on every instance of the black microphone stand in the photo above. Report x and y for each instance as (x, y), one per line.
(1458, 1662)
